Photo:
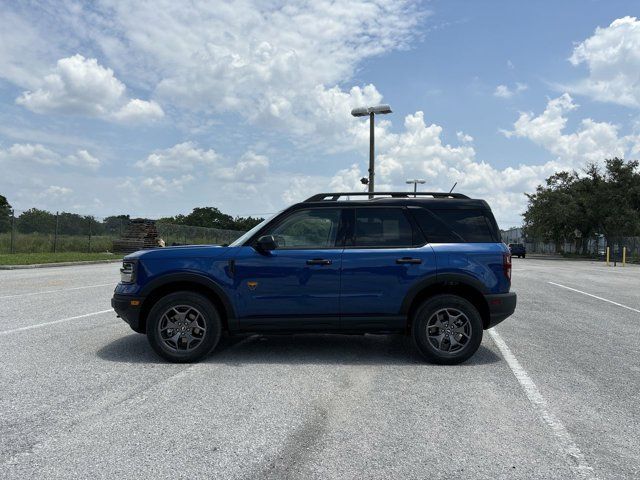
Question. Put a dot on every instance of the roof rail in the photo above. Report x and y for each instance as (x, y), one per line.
(334, 196)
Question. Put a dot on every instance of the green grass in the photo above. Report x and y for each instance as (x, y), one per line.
(43, 243)
(33, 258)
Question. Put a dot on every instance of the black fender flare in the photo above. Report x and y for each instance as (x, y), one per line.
(191, 277)
(445, 279)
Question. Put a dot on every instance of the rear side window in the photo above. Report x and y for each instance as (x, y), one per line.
(382, 227)
(455, 226)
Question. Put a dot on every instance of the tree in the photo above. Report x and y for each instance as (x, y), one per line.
(115, 224)
(5, 214)
(36, 221)
(212, 217)
(72, 224)
(209, 217)
(553, 211)
(600, 201)
(619, 200)
(246, 223)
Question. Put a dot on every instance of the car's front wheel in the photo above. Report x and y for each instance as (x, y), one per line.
(183, 327)
(447, 329)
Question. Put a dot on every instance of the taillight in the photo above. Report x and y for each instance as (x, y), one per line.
(506, 264)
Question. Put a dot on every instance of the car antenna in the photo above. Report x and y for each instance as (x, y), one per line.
(454, 186)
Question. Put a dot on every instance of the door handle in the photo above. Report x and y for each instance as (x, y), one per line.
(319, 261)
(408, 260)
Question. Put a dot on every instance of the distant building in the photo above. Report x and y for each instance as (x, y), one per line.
(512, 235)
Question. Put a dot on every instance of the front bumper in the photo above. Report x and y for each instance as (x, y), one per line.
(501, 306)
(128, 310)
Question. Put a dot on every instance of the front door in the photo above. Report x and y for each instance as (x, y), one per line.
(382, 260)
(297, 285)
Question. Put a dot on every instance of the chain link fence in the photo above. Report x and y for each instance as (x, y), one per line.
(594, 247)
(37, 231)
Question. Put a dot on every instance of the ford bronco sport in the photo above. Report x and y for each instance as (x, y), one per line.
(430, 265)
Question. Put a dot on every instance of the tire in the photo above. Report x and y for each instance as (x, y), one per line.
(524, 256)
(183, 327)
(432, 316)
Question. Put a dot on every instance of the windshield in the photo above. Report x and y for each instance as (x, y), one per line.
(240, 240)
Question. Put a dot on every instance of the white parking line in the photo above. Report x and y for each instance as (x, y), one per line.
(55, 291)
(39, 325)
(595, 296)
(570, 450)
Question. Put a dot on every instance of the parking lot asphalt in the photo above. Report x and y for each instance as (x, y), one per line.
(553, 392)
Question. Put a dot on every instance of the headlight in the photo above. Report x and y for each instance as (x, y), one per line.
(128, 272)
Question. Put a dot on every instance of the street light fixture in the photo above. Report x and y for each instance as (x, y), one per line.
(371, 112)
(415, 182)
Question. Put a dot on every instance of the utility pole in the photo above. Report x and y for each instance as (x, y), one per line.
(13, 221)
(372, 142)
(371, 112)
(55, 238)
(415, 182)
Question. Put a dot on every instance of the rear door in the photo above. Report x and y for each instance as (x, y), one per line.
(383, 257)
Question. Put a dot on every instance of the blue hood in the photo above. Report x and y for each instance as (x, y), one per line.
(186, 251)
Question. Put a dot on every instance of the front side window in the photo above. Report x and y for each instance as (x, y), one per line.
(247, 235)
(382, 227)
(308, 229)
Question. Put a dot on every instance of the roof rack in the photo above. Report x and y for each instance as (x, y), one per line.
(334, 196)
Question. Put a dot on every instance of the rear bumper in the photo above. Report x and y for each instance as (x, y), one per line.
(501, 306)
(128, 312)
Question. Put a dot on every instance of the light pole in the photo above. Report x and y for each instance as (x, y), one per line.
(371, 111)
(415, 182)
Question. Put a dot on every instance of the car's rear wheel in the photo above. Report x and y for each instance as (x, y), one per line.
(447, 329)
(183, 327)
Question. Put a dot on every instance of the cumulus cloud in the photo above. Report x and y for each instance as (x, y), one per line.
(274, 63)
(612, 56)
(420, 152)
(251, 168)
(80, 85)
(503, 91)
(184, 157)
(464, 138)
(299, 187)
(592, 142)
(137, 110)
(158, 184)
(29, 153)
(284, 75)
(347, 180)
(25, 154)
(188, 157)
(82, 158)
(290, 66)
(56, 191)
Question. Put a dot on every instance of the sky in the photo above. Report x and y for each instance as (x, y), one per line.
(153, 108)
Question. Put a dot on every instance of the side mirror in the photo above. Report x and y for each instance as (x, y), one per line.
(266, 243)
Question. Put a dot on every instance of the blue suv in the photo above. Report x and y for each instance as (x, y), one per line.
(430, 265)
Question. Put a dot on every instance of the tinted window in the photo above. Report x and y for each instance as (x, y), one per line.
(454, 226)
(308, 229)
(382, 227)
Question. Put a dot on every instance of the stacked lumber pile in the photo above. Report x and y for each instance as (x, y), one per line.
(140, 234)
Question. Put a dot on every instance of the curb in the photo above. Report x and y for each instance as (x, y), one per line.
(56, 264)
